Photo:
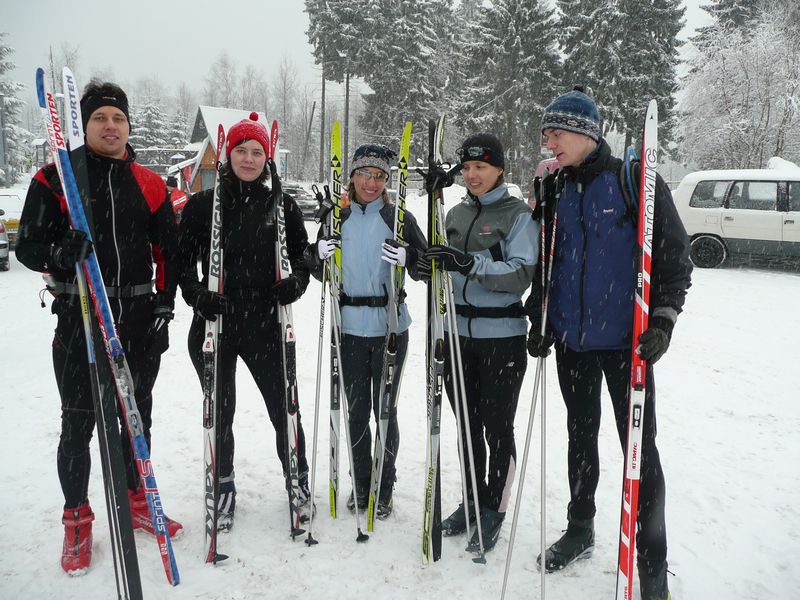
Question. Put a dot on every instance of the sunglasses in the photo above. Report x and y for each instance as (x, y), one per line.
(379, 176)
(374, 150)
(475, 153)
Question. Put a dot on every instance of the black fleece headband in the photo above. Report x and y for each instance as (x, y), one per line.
(91, 103)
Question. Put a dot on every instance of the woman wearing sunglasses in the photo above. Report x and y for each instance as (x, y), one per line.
(369, 254)
(491, 255)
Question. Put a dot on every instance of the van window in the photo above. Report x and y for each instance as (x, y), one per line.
(794, 196)
(754, 195)
(708, 194)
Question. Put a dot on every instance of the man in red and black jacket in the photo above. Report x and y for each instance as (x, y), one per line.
(135, 240)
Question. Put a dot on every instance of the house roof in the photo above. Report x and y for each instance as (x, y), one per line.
(208, 118)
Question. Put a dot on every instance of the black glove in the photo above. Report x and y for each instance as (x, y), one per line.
(423, 269)
(73, 247)
(209, 304)
(538, 344)
(437, 178)
(288, 290)
(654, 341)
(449, 259)
(158, 333)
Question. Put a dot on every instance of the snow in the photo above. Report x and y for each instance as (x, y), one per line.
(728, 419)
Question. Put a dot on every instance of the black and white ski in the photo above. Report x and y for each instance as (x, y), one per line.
(288, 347)
(389, 383)
(211, 349)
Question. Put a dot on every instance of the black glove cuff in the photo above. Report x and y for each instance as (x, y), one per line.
(664, 324)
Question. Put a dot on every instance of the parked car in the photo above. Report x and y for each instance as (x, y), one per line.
(4, 245)
(306, 202)
(749, 211)
(11, 204)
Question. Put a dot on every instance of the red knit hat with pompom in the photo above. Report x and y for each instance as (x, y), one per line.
(247, 129)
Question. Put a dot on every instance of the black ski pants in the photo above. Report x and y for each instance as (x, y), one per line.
(493, 372)
(362, 369)
(253, 336)
(74, 386)
(580, 375)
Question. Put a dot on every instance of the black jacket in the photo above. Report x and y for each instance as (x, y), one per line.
(133, 228)
(248, 242)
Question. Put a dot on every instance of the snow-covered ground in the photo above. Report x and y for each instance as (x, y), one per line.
(728, 422)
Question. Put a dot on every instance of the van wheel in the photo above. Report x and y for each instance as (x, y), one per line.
(707, 252)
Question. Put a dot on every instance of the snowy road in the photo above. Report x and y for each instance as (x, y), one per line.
(728, 425)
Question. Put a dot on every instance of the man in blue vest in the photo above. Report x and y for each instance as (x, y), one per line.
(590, 320)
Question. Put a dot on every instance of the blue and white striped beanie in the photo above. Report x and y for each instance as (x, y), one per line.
(573, 111)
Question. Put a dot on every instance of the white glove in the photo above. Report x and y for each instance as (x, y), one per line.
(326, 246)
(393, 253)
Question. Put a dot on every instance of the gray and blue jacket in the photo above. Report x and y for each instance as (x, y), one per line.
(498, 231)
(364, 274)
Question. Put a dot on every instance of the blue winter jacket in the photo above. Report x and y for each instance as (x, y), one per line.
(595, 263)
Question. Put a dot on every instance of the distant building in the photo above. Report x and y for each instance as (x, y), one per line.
(41, 152)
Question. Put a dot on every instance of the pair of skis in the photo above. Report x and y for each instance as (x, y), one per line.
(441, 306)
(636, 406)
(338, 396)
(73, 174)
(390, 376)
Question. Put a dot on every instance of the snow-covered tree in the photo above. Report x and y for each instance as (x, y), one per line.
(648, 59)
(177, 134)
(17, 138)
(409, 73)
(148, 126)
(589, 39)
(741, 100)
(512, 74)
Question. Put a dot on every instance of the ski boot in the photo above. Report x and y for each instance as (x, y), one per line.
(576, 543)
(491, 522)
(226, 506)
(76, 554)
(653, 579)
(456, 523)
(385, 504)
(308, 510)
(140, 515)
(363, 496)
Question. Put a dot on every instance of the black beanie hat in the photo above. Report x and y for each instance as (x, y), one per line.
(485, 147)
(106, 95)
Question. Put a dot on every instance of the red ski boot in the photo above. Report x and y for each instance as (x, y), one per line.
(140, 515)
(76, 555)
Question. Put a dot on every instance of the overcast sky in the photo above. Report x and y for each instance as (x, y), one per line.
(175, 39)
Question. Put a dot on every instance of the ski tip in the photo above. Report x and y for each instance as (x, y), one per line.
(362, 537)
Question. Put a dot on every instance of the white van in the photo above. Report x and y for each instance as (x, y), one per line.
(748, 211)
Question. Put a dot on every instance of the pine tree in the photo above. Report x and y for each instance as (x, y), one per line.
(16, 137)
(407, 75)
(177, 134)
(513, 72)
(148, 126)
(648, 54)
(589, 40)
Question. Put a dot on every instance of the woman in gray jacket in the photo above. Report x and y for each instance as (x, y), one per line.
(491, 255)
